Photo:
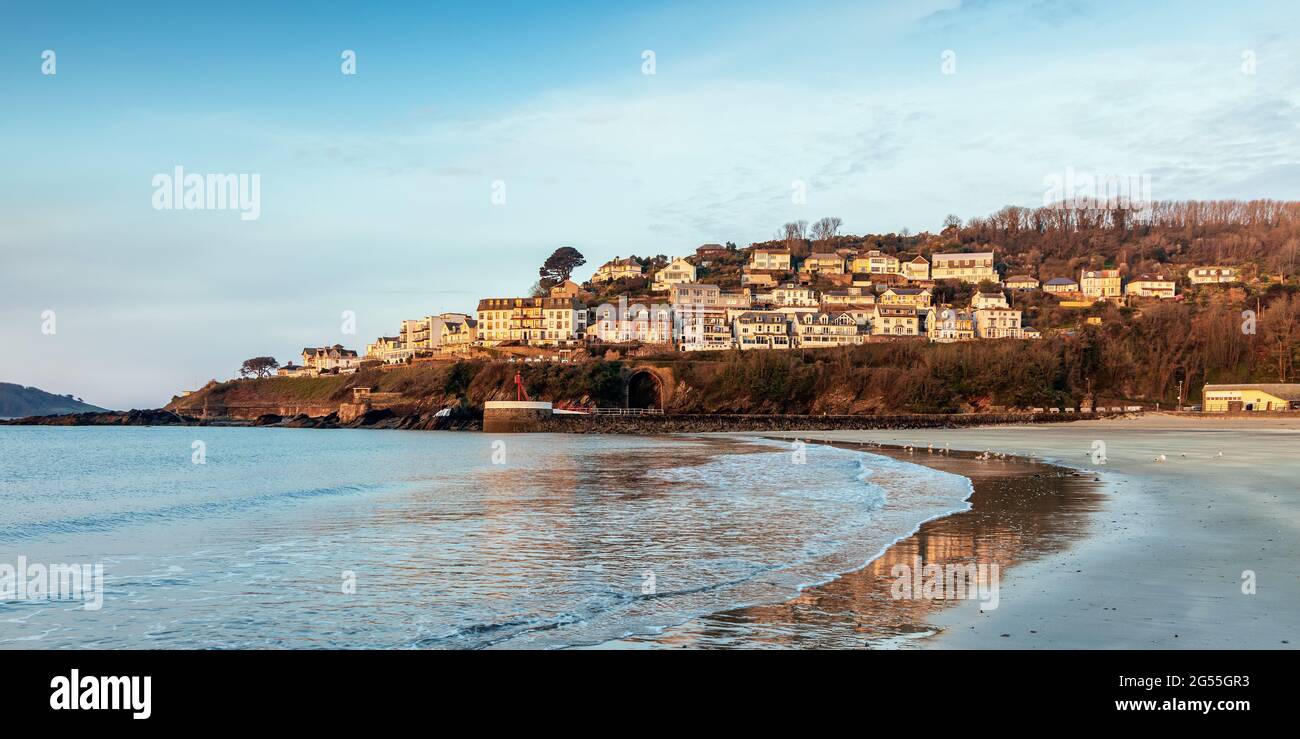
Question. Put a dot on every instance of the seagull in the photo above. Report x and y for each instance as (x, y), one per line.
(1161, 458)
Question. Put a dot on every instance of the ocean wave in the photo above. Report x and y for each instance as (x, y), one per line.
(226, 507)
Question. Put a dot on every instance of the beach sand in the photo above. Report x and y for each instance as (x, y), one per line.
(1162, 561)
(1019, 510)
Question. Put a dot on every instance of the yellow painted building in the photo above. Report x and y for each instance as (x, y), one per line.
(1101, 284)
(678, 272)
(875, 262)
(827, 263)
(617, 269)
(770, 259)
(1253, 397)
(537, 321)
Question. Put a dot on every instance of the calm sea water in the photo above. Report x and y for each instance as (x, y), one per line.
(304, 538)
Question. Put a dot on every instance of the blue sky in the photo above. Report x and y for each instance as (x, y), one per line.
(376, 188)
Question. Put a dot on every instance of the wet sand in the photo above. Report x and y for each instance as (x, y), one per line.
(1168, 559)
(1020, 510)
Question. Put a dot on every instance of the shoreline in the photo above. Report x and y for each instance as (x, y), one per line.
(1192, 550)
(647, 425)
(856, 609)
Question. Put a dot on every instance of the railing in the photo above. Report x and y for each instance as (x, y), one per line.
(628, 411)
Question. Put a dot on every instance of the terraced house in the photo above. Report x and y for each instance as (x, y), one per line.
(652, 324)
(387, 349)
(847, 297)
(425, 336)
(897, 320)
(695, 293)
(945, 324)
(915, 297)
(534, 321)
(329, 359)
(702, 328)
(790, 294)
(824, 330)
(460, 336)
(762, 330)
(876, 262)
(700, 312)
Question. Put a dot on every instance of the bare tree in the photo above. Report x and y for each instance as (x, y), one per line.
(1281, 325)
(952, 220)
(826, 228)
(793, 234)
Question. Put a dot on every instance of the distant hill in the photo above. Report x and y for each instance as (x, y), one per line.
(17, 401)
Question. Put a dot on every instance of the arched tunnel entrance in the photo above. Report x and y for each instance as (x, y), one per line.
(644, 390)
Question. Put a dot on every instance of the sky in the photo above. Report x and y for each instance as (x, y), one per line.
(475, 138)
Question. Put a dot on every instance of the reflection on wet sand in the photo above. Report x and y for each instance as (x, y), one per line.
(1021, 509)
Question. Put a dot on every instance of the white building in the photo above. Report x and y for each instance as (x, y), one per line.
(1151, 286)
(761, 330)
(769, 259)
(678, 272)
(822, 330)
(970, 267)
(791, 294)
(998, 323)
(988, 300)
(1211, 275)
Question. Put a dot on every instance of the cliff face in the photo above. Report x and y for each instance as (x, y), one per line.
(876, 379)
(423, 388)
(17, 401)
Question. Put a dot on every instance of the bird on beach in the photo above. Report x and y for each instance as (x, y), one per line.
(1160, 458)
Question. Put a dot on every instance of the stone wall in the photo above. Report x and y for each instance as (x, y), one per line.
(686, 423)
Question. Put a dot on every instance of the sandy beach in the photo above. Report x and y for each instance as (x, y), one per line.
(1162, 561)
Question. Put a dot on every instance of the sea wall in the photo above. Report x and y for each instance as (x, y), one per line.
(686, 423)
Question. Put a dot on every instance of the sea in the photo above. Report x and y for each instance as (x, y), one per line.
(269, 538)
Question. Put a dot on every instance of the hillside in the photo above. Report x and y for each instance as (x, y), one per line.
(1262, 237)
(1130, 356)
(17, 401)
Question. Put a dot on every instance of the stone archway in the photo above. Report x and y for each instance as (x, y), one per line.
(645, 390)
